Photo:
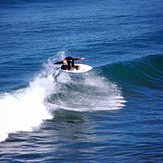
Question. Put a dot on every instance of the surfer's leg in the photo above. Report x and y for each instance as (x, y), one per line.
(73, 63)
(64, 67)
(69, 65)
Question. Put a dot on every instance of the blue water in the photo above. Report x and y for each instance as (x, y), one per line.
(112, 113)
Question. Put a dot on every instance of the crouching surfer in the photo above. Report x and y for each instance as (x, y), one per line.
(68, 63)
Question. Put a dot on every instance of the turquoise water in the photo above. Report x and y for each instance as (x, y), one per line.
(112, 113)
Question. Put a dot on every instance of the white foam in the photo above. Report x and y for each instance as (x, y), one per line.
(24, 109)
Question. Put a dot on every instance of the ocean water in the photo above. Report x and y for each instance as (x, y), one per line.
(113, 113)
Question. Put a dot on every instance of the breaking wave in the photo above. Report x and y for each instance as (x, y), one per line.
(26, 108)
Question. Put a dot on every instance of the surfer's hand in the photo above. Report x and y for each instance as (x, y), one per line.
(82, 58)
(52, 64)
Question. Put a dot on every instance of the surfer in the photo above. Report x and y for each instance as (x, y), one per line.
(68, 63)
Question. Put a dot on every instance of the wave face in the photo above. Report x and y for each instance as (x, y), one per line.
(142, 73)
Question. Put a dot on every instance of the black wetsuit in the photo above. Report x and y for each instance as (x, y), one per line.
(70, 63)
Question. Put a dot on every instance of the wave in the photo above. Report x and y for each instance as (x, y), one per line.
(26, 108)
(143, 73)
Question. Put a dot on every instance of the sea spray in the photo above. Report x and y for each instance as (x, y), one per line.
(86, 92)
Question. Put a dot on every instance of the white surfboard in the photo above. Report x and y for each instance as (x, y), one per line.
(82, 68)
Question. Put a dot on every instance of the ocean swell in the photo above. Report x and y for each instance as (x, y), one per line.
(143, 72)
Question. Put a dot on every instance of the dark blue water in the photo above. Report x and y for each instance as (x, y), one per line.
(112, 113)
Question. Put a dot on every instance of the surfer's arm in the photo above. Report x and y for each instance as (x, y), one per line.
(52, 64)
(79, 58)
(61, 62)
